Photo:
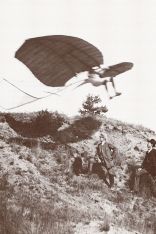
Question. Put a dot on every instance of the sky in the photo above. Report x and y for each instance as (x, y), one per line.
(122, 30)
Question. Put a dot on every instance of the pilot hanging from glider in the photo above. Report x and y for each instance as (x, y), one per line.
(95, 77)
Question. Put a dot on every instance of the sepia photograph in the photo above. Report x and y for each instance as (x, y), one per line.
(77, 117)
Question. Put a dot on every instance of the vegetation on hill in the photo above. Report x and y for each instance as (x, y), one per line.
(42, 124)
(91, 106)
(39, 195)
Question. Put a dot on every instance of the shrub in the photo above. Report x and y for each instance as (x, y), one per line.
(47, 123)
(84, 127)
(89, 106)
(22, 127)
(44, 123)
(81, 128)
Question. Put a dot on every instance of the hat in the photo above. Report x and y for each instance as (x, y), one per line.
(102, 135)
(152, 141)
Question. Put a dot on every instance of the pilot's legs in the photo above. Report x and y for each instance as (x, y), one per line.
(113, 84)
(106, 87)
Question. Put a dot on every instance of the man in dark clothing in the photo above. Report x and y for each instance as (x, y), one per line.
(149, 163)
(77, 165)
(148, 167)
(106, 153)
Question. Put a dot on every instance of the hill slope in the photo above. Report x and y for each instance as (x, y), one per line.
(39, 196)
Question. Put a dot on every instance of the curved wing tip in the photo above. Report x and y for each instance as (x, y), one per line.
(129, 65)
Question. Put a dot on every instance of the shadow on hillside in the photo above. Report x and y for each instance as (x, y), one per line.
(80, 129)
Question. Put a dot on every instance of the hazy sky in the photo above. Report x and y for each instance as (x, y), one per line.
(123, 30)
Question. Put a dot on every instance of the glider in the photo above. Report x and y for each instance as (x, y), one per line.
(56, 59)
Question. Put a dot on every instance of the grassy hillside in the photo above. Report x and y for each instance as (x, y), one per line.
(38, 195)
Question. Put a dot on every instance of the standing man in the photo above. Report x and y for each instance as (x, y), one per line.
(148, 166)
(149, 163)
(106, 153)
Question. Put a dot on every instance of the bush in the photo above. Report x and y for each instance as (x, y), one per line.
(47, 123)
(84, 127)
(81, 128)
(44, 123)
(90, 106)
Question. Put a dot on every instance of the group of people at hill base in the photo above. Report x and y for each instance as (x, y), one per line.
(103, 163)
